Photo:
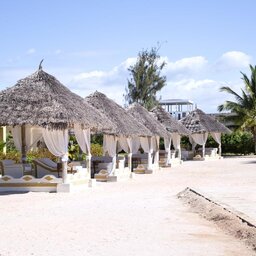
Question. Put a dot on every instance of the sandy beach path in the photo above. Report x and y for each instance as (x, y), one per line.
(136, 217)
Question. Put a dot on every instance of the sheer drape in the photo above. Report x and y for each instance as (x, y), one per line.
(16, 134)
(57, 142)
(167, 147)
(134, 144)
(83, 138)
(217, 137)
(156, 149)
(32, 136)
(147, 146)
(123, 144)
(176, 143)
(110, 146)
(200, 139)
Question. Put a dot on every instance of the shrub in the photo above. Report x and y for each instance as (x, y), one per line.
(2, 145)
(13, 155)
(237, 143)
(234, 143)
(40, 153)
(96, 150)
(31, 155)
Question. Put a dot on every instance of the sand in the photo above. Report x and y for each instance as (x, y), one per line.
(142, 216)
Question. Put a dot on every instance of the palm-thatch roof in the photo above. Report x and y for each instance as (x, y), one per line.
(40, 99)
(126, 124)
(146, 118)
(199, 122)
(172, 125)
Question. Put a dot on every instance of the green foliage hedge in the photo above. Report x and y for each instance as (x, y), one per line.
(234, 143)
(237, 143)
(16, 156)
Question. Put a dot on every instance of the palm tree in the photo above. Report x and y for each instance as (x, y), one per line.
(244, 107)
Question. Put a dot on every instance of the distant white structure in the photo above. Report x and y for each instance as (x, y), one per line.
(178, 108)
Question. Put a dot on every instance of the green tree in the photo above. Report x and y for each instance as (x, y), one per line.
(146, 79)
(244, 107)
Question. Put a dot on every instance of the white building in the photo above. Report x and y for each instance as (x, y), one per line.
(178, 108)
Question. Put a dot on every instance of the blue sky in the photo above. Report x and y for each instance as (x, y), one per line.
(88, 45)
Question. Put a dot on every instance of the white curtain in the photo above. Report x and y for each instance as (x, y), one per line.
(176, 143)
(200, 139)
(156, 141)
(217, 137)
(123, 144)
(134, 144)
(110, 146)
(16, 134)
(83, 138)
(57, 142)
(167, 147)
(147, 146)
(32, 135)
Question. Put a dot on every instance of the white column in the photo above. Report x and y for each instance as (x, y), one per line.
(203, 150)
(168, 160)
(64, 171)
(150, 160)
(156, 162)
(114, 165)
(88, 165)
(219, 150)
(130, 161)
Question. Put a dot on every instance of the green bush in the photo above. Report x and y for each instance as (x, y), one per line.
(40, 153)
(13, 155)
(96, 150)
(237, 143)
(2, 145)
(234, 143)
(31, 155)
(97, 139)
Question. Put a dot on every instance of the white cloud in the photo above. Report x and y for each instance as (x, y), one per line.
(185, 65)
(112, 82)
(188, 78)
(30, 51)
(233, 60)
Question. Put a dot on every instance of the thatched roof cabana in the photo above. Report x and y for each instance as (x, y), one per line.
(172, 125)
(126, 124)
(146, 118)
(41, 100)
(199, 122)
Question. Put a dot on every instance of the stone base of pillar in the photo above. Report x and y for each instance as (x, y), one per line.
(64, 188)
(76, 186)
(92, 183)
(132, 175)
